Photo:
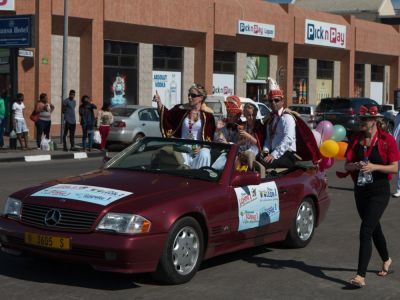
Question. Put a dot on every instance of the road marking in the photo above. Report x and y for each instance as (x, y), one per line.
(37, 157)
(80, 155)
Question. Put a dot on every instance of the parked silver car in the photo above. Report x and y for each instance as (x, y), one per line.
(133, 122)
(307, 113)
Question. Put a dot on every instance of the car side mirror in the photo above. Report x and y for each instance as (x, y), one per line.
(246, 178)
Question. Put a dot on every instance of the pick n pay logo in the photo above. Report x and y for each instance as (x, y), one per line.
(325, 34)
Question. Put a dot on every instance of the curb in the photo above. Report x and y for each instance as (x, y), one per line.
(46, 157)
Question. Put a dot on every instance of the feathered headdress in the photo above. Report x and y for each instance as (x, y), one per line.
(273, 89)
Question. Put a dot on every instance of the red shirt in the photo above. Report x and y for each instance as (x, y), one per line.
(387, 148)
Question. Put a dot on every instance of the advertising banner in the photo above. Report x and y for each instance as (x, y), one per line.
(257, 69)
(223, 84)
(120, 86)
(7, 5)
(258, 205)
(324, 89)
(325, 34)
(168, 85)
(256, 29)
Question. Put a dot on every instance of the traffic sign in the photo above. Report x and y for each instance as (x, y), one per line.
(16, 31)
(25, 53)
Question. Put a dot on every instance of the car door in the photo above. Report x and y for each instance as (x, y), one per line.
(149, 121)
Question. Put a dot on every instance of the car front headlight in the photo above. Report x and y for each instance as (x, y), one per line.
(12, 208)
(124, 223)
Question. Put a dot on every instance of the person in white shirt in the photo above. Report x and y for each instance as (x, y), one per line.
(280, 132)
(18, 121)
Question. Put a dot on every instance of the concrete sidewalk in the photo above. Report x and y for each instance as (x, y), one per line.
(33, 154)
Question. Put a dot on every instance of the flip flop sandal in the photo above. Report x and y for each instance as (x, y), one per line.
(357, 283)
(385, 272)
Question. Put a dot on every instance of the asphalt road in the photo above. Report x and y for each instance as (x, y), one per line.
(319, 271)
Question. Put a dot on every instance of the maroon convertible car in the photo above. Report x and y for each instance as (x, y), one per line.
(150, 210)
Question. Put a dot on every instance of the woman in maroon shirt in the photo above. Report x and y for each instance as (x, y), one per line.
(372, 157)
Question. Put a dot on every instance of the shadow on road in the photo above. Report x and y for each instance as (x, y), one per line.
(340, 188)
(316, 271)
(48, 271)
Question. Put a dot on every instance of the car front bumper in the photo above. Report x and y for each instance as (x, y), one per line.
(103, 251)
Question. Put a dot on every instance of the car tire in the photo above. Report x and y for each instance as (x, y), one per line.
(138, 137)
(182, 253)
(303, 226)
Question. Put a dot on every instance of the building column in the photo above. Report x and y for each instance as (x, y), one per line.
(394, 78)
(42, 57)
(188, 72)
(336, 78)
(273, 66)
(240, 76)
(285, 71)
(347, 75)
(386, 83)
(145, 74)
(92, 61)
(367, 80)
(312, 81)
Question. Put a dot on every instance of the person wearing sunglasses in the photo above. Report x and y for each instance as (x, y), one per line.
(279, 149)
(192, 120)
(371, 159)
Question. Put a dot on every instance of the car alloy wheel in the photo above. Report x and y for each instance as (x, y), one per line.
(185, 250)
(182, 253)
(305, 221)
(302, 228)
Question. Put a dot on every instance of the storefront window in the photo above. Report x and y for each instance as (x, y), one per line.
(120, 73)
(359, 80)
(256, 76)
(300, 80)
(377, 73)
(167, 58)
(224, 62)
(324, 79)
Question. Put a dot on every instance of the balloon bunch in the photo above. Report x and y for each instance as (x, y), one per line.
(329, 139)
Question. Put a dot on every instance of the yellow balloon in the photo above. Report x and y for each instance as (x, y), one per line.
(329, 148)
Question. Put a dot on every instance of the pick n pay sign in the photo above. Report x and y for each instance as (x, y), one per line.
(325, 34)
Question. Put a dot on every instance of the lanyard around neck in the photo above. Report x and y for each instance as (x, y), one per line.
(368, 150)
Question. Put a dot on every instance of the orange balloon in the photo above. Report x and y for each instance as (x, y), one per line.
(342, 151)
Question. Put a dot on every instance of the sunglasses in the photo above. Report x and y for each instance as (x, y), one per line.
(276, 100)
(191, 95)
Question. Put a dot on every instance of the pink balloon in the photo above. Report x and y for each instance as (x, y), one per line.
(326, 163)
(325, 128)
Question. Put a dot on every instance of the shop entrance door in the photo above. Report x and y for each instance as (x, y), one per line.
(256, 91)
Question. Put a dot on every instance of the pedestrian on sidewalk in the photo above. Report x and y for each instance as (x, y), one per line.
(43, 125)
(104, 120)
(372, 157)
(18, 121)
(87, 120)
(68, 109)
(2, 118)
(396, 135)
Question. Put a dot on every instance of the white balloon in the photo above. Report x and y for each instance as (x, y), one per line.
(317, 137)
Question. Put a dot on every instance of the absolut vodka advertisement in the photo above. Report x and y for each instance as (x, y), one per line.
(168, 86)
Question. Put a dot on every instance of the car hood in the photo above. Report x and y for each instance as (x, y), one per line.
(109, 187)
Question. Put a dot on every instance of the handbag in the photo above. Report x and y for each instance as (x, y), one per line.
(34, 116)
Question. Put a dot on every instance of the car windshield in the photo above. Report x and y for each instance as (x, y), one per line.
(386, 108)
(301, 109)
(174, 157)
(333, 104)
(122, 111)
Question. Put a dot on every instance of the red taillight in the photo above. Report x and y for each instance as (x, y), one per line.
(350, 111)
(119, 124)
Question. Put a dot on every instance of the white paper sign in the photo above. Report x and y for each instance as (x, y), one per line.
(85, 193)
(258, 205)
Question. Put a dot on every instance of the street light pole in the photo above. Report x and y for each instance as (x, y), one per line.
(64, 86)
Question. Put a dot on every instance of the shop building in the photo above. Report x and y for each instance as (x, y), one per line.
(123, 51)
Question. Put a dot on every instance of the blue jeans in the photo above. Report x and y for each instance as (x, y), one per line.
(87, 132)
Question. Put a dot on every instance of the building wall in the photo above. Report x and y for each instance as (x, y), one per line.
(200, 26)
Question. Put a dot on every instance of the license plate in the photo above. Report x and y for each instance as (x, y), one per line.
(48, 241)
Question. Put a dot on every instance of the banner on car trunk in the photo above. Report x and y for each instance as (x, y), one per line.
(258, 205)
